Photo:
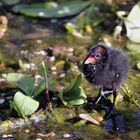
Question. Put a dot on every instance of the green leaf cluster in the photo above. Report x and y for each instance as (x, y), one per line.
(25, 105)
(73, 94)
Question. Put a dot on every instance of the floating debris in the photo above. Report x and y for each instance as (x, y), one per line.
(69, 135)
(70, 49)
(88, 118)
(7, 137)
(53, 68)
(27, 130)
(52, 58)
(62, 75)
(45, 135)
(38, 139)
(42, 52)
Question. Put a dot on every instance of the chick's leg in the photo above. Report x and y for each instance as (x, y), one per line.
(112, 108)
(98, 98)
(102, 94)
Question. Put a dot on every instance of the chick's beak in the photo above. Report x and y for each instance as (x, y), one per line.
(90, 60)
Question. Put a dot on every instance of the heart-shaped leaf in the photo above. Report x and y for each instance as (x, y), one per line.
(24, 105)
(21, 81)
(26, 84)
(12, 77)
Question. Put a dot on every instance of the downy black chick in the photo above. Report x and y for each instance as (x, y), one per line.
(106, 69)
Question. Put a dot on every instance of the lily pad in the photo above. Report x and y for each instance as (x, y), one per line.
(12, 77)
(51, 9)
(26, 84)
(23, 82)
(23, 104)
(9, 2)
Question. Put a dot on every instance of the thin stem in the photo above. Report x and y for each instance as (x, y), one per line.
(49, 105)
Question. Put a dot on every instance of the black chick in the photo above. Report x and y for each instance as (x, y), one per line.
(106, 69)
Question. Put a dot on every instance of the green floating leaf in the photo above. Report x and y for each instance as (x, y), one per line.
(23, 82)
(132, 23)
(26, 84)
(13, 78)
(51, 9)
(76, 102)
(73, 94)
(24, 105)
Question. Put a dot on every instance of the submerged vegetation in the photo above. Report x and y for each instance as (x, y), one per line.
(42, 48)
